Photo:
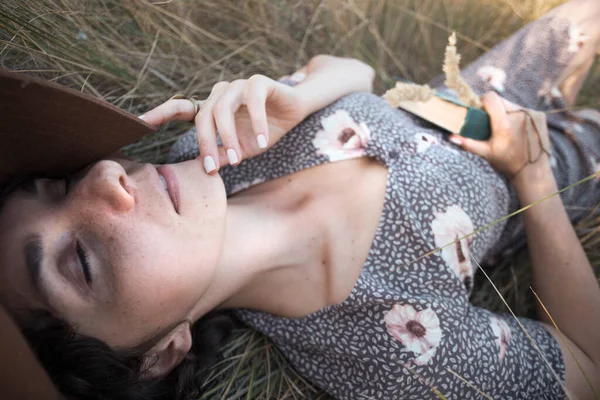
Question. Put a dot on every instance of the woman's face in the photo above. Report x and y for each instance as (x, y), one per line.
(115, 254)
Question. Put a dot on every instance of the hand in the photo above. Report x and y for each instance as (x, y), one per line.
(519, 137)
(249, 114)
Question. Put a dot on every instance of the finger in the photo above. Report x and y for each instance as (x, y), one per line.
(207, 130)
(494, 106)
(255, 103)
(477, 147)
(207, 140)
(510, 106)
(172, 110)
(223, 159)
(224, 116)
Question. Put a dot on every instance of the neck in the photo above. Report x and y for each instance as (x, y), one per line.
(264, 241)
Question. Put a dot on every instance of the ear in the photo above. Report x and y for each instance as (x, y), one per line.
(169, 352)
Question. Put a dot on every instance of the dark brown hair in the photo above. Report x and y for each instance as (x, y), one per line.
(84, 367)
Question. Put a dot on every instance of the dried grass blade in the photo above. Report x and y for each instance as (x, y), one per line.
(308, 31)
(454, 79)
(422, 379)
(442, 26)
(471, 385)
(237, 371)
(189, 24)
(519, 211)
(142, 71)
(566, 344)
(573, 108)
(535, 346)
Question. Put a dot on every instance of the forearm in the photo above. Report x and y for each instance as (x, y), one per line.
(563, 277)
(329, 78)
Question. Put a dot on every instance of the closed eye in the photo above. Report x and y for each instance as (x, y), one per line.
(85, 263)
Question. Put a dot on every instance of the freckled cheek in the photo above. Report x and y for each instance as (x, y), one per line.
(156, 282)
(159, 267)
(160, 305)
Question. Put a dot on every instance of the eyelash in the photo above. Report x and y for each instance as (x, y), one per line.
(81, 254)
(85, 263)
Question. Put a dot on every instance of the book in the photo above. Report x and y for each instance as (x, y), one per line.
(452, 116)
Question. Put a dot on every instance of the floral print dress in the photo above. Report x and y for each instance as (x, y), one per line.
(407, 329)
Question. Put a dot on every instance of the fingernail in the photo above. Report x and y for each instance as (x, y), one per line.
(142, 116)
(262, 141)
(455, 140)
(209, 164)
(232, 156)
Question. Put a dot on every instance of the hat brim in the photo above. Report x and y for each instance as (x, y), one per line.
(49, 129)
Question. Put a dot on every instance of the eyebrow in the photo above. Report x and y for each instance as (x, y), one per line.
(34, 254)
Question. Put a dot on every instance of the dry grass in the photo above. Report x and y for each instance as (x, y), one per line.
(137, 53)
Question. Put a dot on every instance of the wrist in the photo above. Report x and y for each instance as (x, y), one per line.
(364, 74)
(330, 81)
(535, 181)
(352, 74)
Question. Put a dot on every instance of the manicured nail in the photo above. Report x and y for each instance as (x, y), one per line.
(232, 156)
(209, 164)
(262, 141)
(142, 116)
(455, 140)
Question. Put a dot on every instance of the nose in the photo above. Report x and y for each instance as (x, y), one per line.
(107, 182)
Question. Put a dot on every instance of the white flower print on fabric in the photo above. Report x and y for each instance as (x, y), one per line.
(245, 185)
(419, 331)
(496, 77)
(425, 357)
(341, 138)
(448, 227)
(577, 38)
(424, 141)
(549, 93)
(502, 333)
(555, 93)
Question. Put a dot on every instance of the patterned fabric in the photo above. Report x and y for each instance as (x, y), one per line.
(526, 69)
(408, 327)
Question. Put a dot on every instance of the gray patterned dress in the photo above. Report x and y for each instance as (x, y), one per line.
(407, 329)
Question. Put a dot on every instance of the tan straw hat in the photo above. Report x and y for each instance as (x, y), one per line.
(48, 129)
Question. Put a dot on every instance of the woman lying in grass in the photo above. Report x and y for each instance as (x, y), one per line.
(315, 235)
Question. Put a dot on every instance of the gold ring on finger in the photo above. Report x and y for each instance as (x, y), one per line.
(196, 102)
(193, 99)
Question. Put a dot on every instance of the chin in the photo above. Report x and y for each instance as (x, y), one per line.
(198, 191)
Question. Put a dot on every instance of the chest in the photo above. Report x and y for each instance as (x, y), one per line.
(345, 200)
(428, 179)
